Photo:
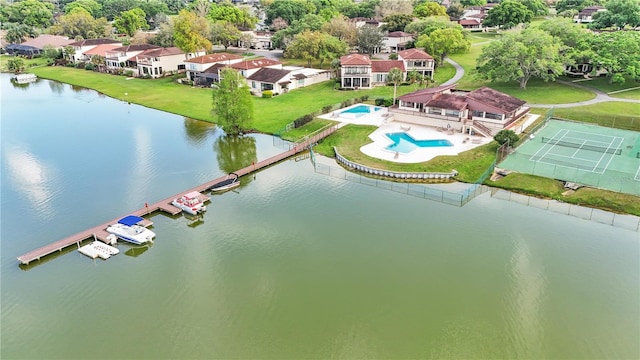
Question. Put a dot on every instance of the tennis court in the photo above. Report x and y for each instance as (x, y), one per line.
(591, 155)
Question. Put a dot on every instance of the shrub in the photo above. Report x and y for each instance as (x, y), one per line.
(80, 65)
(267, 94)
(364, 98)
(303, 120)
(379, 101)
(506, 135)
(89, 66)
(128, 73)
(327, 109)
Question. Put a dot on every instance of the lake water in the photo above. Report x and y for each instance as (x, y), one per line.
(293, 264)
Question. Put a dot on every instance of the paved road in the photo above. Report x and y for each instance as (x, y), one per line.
(600, 96)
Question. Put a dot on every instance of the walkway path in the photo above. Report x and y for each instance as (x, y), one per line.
(600, 95)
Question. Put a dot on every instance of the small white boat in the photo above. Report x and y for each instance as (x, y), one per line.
(98, 249)
(227, 184)
(129, 229)
(192, 203)
(25, 78)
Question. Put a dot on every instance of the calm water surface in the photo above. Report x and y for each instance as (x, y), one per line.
(293, 264)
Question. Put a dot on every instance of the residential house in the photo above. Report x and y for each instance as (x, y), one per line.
(85, 45)
(285, 79)
(418, 60)
(249, 67)
(359, 71)
(483, 111)
(100, 50)
(355, 71)
(471, 24)
(157, 62)
(380, 70)
(199, 64)
(260, 39)
(119, 57)
(395, 41)
(586, 15)
(36, 46)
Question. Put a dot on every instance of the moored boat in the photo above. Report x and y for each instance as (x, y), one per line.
(129, 229)
(192, 203)
(227, 184)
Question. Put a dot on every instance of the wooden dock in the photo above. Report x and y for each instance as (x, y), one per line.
(99, 232)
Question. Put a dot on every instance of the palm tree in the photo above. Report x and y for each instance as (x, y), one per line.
(17, 34)
(394, 77)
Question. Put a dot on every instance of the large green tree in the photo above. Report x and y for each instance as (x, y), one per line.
(316, 45)
(282, 38)
(442, 42)
(396, 22)
(130, 21)
(31, 12)
(429, 9)
(289, 10)
(564, 5)
(18, 33)
(575, 38)
(619, 14)
(190, 32)
(92, 6)
(239, 16)
(537, 7)
(521, 56)
(232, 103)
(430, 24)
(508, 14)
(619, 53)
(79, 23)
(369, 39)
(224, 33)
(342, 29)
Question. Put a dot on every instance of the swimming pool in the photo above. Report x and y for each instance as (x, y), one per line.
(359, 110)
(404, 143)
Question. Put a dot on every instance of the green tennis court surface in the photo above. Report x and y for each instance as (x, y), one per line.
(591, 155)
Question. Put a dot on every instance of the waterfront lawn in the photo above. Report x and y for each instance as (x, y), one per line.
(602, 83)
(271, 115)
(309, 128)
(629, 94)
(443, 73)
(29, 63)
(540, 92)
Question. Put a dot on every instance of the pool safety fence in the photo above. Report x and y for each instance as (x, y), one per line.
(420, 190)
(624, 221)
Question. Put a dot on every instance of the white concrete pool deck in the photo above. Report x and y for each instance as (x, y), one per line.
(461, 142)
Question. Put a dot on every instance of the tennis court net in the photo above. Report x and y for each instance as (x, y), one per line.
(602, 149)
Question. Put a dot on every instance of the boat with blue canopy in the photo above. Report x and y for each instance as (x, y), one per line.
(129, 229)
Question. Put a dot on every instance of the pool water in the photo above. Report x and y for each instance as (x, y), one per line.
(360, 110)
(404, 143)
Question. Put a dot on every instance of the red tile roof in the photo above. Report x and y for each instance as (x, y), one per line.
(355, 59)
(397, 34)
(100, 49)
(424, 95)
(160, 52)
(448, 101)
(469, 22)
(90, 42)
(383, 66)
(137, 47)
(213, 58)
(414, 54)
(254, 64)
(495, 99)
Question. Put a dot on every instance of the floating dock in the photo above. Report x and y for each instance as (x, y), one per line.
(99, 232)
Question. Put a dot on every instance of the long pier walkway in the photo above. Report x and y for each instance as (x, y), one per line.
(99, 232)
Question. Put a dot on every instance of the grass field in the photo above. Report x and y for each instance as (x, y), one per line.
(629, 94)
(166, 95)
(620, 115)
(29, 63)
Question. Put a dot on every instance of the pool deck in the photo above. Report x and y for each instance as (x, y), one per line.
(461, 142)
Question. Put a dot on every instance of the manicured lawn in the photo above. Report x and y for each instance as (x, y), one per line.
(540, 92)
(611, 114)
(443, 73)
(164, 94)
(629, 94)
(602, 83)
(29, 63)
(349, 139)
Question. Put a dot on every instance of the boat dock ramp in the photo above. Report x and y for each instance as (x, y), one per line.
(99, 232)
